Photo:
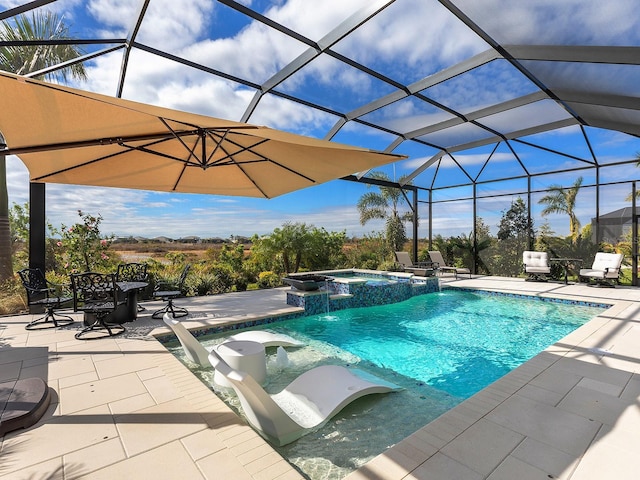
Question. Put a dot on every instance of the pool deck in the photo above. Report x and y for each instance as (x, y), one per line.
(124, 407)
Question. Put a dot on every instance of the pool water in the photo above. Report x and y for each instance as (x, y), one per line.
(441, 347)
(457, 341)
(368, 279)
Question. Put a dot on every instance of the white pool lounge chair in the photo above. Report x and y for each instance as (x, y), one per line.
(605, 269)
(436, 257)
(306, 403)
(536, 265)
(197, 353)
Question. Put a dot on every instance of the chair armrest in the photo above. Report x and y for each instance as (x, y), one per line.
(60, 288)
(424, 264)
(165, 286)
(39, 290)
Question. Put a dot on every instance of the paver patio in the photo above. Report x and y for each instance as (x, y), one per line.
(124, 407)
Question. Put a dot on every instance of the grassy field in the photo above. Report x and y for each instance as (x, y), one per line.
(139, 252)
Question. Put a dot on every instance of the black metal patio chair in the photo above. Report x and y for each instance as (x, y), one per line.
(167, 292)
(42, 293)
(96, 294)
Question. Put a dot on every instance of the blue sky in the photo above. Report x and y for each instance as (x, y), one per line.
(209, 33)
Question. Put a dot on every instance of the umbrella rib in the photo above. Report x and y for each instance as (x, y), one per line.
(229, 156)
(159, 137)
(218, 145)
(232, 161)
(144, 149)
(200, 134)
(128, 148)
(185, 165)
(252, 181)
(80, 165)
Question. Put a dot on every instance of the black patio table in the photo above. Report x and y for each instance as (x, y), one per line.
(130, 290)
(565, 263)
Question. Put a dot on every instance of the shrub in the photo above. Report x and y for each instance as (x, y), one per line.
(13, 298)
(269, 279)
(84, 250)
(202, 284)
(223, 279)
(389, 266)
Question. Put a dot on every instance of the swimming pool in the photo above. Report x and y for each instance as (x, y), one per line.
(441, 347)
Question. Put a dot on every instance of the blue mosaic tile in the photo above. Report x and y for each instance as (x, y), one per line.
(354, 295)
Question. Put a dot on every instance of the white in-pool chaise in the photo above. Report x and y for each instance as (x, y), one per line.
(197, 353)
(308, 402)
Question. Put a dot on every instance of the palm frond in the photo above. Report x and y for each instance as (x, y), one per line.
(41, 25)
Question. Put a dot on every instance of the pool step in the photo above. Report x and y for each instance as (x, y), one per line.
(22, 403)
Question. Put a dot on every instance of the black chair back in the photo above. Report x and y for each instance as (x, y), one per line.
(35, 284)
(132, 272)
(183, 277)
(96, 294)
(94, 291)
(42, 294)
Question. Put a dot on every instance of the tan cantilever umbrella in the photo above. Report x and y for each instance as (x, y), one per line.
(65, 135)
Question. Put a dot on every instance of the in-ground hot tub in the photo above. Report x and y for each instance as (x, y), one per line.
(351, 288)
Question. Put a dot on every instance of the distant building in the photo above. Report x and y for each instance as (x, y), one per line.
(614, 226)
(162, 239)
(189, 239)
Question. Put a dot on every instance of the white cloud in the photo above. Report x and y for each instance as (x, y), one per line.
(114, 15)
(443, 39)
(557, 20)
(463, 159)
(291, 116)
(316, 19)
(17, 181)
(475, 159)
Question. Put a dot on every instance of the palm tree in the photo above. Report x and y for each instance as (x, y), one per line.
(24, 59)
(383, 205)
(563, 200)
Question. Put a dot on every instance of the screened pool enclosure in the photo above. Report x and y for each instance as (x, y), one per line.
(501, 107)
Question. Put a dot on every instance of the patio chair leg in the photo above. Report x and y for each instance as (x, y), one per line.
(49, 321)
(113, 329)
(170, 308)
